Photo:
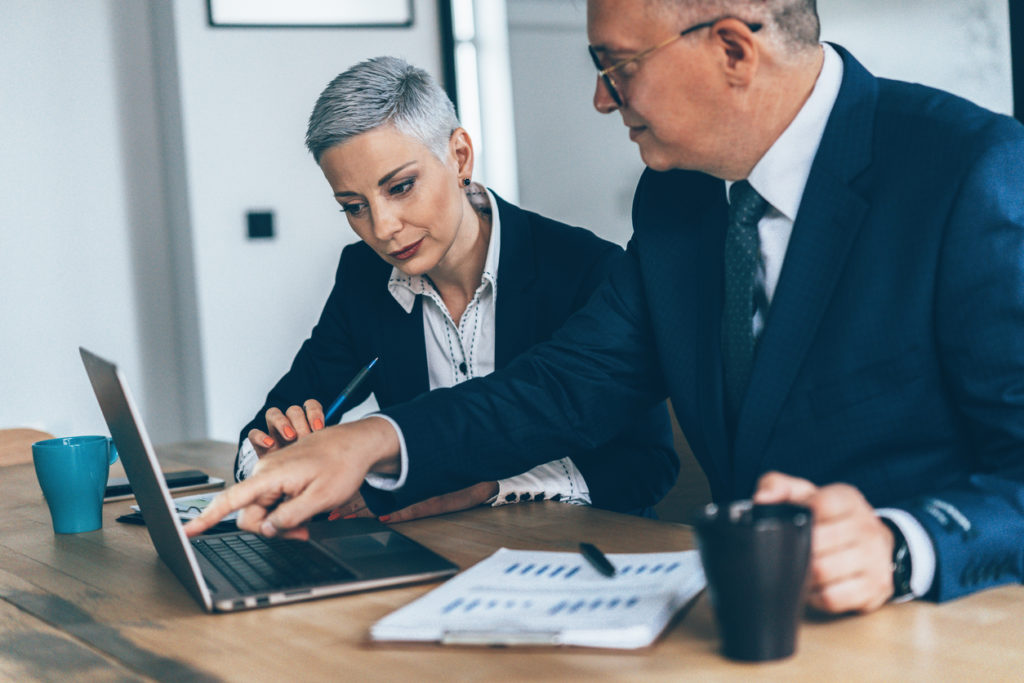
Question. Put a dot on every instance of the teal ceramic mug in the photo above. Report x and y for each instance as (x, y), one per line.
(72, 473)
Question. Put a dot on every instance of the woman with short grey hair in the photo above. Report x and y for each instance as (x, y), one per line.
(380, 91)
(420, 291)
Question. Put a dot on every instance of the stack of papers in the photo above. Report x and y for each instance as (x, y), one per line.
(519, 597)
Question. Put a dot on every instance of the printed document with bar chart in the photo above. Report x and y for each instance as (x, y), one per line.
(525, 597)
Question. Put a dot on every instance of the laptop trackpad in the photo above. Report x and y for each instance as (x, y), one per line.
(381, 553)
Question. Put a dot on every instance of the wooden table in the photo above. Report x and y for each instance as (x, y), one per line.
(101, 606)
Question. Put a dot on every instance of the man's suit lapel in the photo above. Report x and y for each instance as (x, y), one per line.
(830, 215)
(711, 401)
(515, 329)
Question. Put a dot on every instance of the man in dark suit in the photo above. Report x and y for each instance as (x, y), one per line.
(839, 323)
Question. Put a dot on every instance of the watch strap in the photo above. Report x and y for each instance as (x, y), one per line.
(901, 564)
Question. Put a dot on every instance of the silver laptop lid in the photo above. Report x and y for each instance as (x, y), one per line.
(143, 469)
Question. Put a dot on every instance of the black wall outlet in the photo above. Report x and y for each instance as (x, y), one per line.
(260, 224)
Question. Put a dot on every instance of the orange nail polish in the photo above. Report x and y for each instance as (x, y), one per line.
(289, 433)
(268, 442)
(384, 518)
(335, 514)
(352, 516)
(318, 424)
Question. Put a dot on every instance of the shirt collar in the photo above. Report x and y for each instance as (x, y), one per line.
(404, 288)
(780, 176)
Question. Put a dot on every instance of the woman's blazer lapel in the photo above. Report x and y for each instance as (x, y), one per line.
(402, 350)
(515, 329)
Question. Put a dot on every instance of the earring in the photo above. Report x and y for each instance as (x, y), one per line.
(466, 181)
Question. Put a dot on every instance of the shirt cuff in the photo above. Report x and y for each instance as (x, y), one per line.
(556, 480)
(246, 461)
(919, 544)
(391, 482)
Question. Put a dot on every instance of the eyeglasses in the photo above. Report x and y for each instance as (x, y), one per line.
(605, 72)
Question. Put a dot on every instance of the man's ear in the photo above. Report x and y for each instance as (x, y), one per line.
(739, 50)
(460, 148)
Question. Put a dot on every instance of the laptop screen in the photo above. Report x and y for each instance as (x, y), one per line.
(140, 462)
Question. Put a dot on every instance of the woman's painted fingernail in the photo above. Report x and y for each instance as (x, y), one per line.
(268, 442)
(318, 424)
(352, 516)
(335, 514)
(385, 518)
(289, 433)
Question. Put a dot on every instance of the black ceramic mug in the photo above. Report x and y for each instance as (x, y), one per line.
(755, 558)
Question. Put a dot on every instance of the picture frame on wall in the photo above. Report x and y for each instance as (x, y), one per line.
(309, 13)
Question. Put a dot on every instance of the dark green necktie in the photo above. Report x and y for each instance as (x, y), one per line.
(742, 259)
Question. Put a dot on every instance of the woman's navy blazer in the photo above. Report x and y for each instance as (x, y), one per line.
(547, 270)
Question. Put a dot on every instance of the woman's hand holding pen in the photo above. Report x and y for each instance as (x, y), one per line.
(287, 427)
(299, 421)
(292, 425)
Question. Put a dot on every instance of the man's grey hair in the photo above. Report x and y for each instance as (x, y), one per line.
(382, 91)
(795, 21)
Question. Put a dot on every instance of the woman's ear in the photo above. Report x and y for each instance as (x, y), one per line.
(460, 149)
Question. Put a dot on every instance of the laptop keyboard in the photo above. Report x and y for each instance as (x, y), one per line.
(254, 564)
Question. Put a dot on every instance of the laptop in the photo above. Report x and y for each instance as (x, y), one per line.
(237, 570)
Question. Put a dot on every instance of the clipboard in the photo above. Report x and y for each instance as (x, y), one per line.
(522, 597)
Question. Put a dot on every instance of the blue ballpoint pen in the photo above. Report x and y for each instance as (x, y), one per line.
(349, 389)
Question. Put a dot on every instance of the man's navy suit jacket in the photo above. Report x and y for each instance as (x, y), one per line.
(892, 356)
(546, 271)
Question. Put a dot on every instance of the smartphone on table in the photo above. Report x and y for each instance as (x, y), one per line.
(118, 488)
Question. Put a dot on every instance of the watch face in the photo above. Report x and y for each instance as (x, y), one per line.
(901, 567)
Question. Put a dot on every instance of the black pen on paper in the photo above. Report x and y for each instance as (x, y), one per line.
(596, 558)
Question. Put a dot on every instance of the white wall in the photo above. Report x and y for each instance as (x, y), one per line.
(574, 164)
(81, 210)
(134, 138)
(246, 95)
(580, 167)
(962, 46)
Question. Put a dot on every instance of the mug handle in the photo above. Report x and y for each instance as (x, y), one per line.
(111, 451)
